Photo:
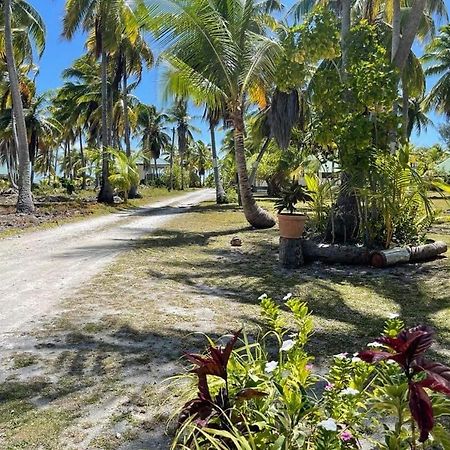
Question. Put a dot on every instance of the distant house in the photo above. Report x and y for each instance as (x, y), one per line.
(150, 170)
(444, 166)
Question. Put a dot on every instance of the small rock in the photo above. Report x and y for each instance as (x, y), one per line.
(236, 242)
(117, 200)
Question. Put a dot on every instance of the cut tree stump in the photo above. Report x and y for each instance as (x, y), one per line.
(335, 253)
(386, 258)
(427, 251)
(291, 254)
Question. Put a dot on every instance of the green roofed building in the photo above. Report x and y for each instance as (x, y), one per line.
(444, 166)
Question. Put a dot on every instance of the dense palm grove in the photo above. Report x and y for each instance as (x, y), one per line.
(293, 89)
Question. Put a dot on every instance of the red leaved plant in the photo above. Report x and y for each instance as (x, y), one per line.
(407, 349)
(204, 407)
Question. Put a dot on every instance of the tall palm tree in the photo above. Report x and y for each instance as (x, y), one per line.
(23, 17)
(437, 59)
(105, 22)
(151, 126)
(218, 53)
(179, 114)
(213, 116)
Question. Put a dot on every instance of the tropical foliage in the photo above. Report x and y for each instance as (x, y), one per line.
(296, 91)
(265, 392)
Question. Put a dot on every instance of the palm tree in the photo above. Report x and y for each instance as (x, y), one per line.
(179, 114)
(105, 21)
(213, 117)
(437, 58)
(218, 53)
(151, 127)
(23, 16)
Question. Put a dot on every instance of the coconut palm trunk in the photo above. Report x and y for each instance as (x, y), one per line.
(83, 161)
(409, 33)
(255, 215)
(258, 161)
(171, 160)
(220, 193)
(405, 108)
(396, 25)
(126, 119)
(106, 193)
(25, 199)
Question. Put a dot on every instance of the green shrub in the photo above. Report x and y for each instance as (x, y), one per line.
(264, 393)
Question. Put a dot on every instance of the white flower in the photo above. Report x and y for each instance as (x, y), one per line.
(287, 296)
(393, 316)
(350, 391)
(329, 425)
(262, 296)
(375, 344)
(356, 359)
(390, 361)
(287, 345)
(341, 356)
(270, 366)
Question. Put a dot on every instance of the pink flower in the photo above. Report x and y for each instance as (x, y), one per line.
(309, 367)
(329, 387)
(346, 436)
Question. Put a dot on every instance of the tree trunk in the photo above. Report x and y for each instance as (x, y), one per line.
(171, 160)
(56, 163)
(182, 171)
(396, 24)
(334, 254)
(344, 223)
(25, 199)
(409, 34)
(258, 161)
(345, 30)
(69, 156)
(83, 161)
(126, 119)
(255, 215)
(405, 109)
(156, 168)
(428, 251)
(391, 257)
(220, 193)
(106, 193)
(291, 253)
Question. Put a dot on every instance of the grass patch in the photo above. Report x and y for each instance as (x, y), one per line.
(21, 360)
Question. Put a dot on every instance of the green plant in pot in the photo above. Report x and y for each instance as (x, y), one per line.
(291, 221)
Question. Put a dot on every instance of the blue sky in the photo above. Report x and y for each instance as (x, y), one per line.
(60, 54)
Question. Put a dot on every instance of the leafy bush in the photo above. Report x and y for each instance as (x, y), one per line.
(290, 196)
(264, 393)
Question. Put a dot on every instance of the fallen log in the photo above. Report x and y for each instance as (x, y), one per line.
(427, 251)
(386, 258)
(291, 254)
(399, 255)
(334, 253)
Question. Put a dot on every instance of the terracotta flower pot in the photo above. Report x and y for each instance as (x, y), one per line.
(292, 226)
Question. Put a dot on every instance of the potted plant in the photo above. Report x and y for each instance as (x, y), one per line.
(291, 223)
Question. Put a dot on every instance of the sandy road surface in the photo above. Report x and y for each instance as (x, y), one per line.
(39, 269)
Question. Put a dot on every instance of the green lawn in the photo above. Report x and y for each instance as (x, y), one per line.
(95, 375)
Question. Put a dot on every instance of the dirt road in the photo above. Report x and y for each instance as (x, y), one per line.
(39, 269)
